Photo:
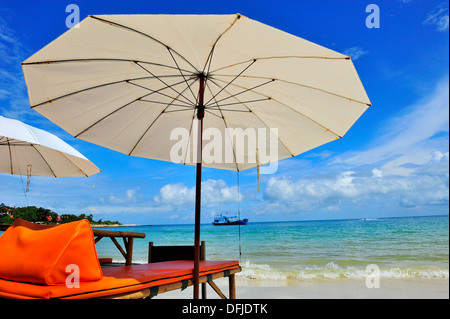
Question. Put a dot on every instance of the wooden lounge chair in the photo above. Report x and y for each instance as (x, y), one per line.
(42, 271)
(158, 254)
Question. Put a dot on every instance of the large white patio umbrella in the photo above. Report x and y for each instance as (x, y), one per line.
(135, 83)
(27, 150)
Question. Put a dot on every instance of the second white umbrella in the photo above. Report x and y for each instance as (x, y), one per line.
(27, 150)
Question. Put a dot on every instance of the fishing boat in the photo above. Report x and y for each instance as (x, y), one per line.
(221, 220)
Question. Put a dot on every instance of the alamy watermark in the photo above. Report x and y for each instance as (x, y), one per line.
(73, 279)
(257, 146)
(373, 276)
(373, 19)
(73, 19)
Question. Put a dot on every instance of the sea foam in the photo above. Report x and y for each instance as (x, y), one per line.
(334, 271)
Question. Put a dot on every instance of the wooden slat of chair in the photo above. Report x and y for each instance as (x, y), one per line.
(177, 285)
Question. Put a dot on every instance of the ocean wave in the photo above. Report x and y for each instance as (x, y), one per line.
(334, 271)
(329, 271)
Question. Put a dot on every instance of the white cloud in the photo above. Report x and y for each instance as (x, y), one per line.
(213, 192)
(438, 17)
(376, 173)
(406, 167)
(355, 52)
(285, 189)
(4, 93)
(130, 196)
(410, 138)
(428, 186)
(322, 155)
(14, 101)
(175, 194)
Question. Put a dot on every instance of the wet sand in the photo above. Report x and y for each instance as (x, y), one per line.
(325, 289)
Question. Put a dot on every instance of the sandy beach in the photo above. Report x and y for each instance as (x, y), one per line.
(325, 289)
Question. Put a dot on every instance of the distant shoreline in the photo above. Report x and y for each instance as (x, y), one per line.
(3, 227)
(105, 225)
(125, 225)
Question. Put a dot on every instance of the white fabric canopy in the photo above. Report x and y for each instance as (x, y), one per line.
(28, 150)
(127, 81)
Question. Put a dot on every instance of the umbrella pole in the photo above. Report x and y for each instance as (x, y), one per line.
(198, 186)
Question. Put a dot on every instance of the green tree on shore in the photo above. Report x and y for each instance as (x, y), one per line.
(43, 215)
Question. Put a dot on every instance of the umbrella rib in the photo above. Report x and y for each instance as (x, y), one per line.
(158, 102)
(284, 57)
(264, 123)
(45, 161)
(171, 97)
(10, 156)
(63, 154)
(118, 109)
(226, 126)
(238, 16)
(227, 104)
(211, 53)
(88, 89)
(154, 121)
(209, 66)
(169, 86)
(16, 144)
(178, 67)
(172, 111)
(228, 110)
(246, 90)
(314, 121)
(302, 85)
(108, 115)
(240, 73)
(220, 117)
(143, 34)
(190, 134)
(101, 60)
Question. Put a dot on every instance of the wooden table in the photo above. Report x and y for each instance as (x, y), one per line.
(127, 238)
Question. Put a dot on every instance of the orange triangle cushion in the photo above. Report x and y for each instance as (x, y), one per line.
(47, 255)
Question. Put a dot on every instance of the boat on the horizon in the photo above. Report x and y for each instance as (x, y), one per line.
(221, 220)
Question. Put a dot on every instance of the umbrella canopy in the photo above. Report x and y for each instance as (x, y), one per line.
(28, 150)
(121, 80)
(136, 83)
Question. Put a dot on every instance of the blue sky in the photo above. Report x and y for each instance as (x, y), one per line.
(393, 162)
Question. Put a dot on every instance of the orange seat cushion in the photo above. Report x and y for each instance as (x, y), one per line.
(117, 280)
(47, 255)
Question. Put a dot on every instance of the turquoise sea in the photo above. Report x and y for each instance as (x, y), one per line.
(407, 247)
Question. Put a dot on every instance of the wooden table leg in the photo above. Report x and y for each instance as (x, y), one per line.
(232, 286)
(129, 248)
